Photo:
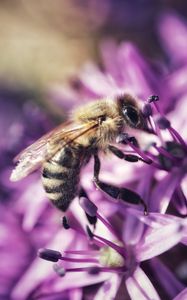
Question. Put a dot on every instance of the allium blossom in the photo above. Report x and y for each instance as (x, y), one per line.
(106, 248)
(143, 238)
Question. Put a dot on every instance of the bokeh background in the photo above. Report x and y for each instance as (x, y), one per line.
(42, 42)
(43, 45)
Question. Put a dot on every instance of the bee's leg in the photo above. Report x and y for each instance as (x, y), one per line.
(128, 157)
(114, 191)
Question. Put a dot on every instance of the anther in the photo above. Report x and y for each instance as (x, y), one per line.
(59, 270)
(153, 98)
(147, 110)
(163, 123)
(89, 232)
(48, 254)
(94, 270)
(65, 223)
(89, 207)
(91, 220)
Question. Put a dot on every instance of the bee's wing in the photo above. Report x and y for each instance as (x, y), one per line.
(47, 146)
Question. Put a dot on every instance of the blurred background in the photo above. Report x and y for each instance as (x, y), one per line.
(45, 41)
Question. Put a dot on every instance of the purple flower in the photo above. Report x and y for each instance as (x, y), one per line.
(161, 184)
(113, 258)
(105, 247)
(22, 121)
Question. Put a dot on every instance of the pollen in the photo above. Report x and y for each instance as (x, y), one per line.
(111, 258)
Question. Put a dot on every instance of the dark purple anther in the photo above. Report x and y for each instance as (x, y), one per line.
(65, 223)
(94, 270)
(153, 98)
(147, 110)
(49, 254)
(89, 207)
(163, 123)
(89, 232)
(91, 220)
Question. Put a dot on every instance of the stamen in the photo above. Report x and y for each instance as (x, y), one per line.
(117, 248)
(94, 270)
(54, 256)
(106, 223)
(89, 232)
(79, 260)
(59, 270)
(164, 152)
(152, 124)
(158, 132)
(81, 252)
(91, 220)
(65, 223)
(163, 123)
(89, 207)
(141, 153)
(48, 254)
(100, 269)
(153, 98)
(157, 107)
(153, 158)
(147, 110)
(178, 136)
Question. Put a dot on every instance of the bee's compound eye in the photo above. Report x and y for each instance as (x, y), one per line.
(131, 115)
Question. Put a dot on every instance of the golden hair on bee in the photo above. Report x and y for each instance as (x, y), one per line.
(114, 114)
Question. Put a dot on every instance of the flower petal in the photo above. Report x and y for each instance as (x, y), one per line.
(109, 289)
(140, 287)
(164, 190)
(173, 32)
(182, 295)
(133, 229)
(166, 278)
(159, 240)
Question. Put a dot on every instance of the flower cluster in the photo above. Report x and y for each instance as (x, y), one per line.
(106, 248)
(115, 249)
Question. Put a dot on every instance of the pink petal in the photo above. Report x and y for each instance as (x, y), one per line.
(140, 287)
(109, 289)
(182, 295)
(95, 80)
(173, 32)
(159, 240)
(133, 229)
(164, 190)
(77, 280)
(76, 294)
(166, 278)
(39, 269)
(137, 74)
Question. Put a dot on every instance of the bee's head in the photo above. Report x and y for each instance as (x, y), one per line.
(130, 111)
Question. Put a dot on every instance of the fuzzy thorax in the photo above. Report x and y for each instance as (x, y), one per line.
(106, 113)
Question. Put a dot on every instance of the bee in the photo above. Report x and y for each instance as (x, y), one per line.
(63, 151)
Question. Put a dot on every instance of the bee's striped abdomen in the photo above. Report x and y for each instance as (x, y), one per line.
(61, 176)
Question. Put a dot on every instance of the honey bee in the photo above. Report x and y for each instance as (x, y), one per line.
(65, 150)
